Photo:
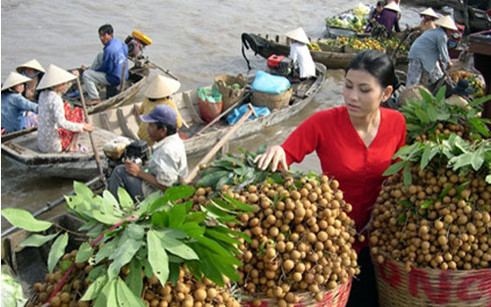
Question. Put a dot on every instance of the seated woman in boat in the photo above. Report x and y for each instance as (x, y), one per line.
(33, 70)
(355, 144)
(428, 18)
(300, 54)
(58, 124)
(167, 163)
(157, 93)
(14, 105)
(389, 18)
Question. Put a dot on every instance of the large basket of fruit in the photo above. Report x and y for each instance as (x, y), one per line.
(231, 87)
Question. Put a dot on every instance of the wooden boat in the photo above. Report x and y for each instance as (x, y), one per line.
(267, 45)
(22, 150)
(123, 120)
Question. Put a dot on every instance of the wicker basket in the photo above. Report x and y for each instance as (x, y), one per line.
(230, 95)
(335, 297)
(271, 101)
(431, 287)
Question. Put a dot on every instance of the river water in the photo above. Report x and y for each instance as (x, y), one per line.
(195, 40)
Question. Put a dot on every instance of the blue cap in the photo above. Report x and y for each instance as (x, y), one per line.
(161, 113)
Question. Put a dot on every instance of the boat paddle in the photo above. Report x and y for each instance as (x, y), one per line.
(152, 65)
(55, 203)
(94, 149)
(218, 145)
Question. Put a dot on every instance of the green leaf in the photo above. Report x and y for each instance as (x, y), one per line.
(395, 168)
(82, 190)
(440, 95)
(107, 250)
(84, 252)
(445, 191)
(157, 256)
(177, 216)
(95, 288)
(214, 246)
(239, 205)
(125, 297)
(57, 250)
(134, 279)
(219, 234)
(193, 230)
(426, 204)
(147, 205)
(132, 239)
(196, 217)
(175, 269)
(125, 200)
(406, 175)
(173, 194)
(177, 247)
(97, 272)
(479, 100)
(477, 159)
(36, 240)
(23, 219)
(88, 225)
(209, 268)
(160, 219)
(405, 203)
(107, 296)
(109, 201)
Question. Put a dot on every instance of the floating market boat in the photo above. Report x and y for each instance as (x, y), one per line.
(123, 120)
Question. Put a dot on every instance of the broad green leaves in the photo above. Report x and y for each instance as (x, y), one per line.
(36, 240)
(23, 219)
(57, 250)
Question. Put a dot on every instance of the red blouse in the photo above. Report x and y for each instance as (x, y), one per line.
(345, 157)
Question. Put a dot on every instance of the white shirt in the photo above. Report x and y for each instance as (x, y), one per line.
(51, 117)
(300, 54)
(167, 163)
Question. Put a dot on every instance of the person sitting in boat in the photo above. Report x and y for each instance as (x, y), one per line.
(158, 92)
(300, 54)
(14, 104)
(428, 18)
(355, 144)
(33, 70)
(389, 18)
(58, 124)
(428, 50)
(167, 163)
(372, 16)
(107, 66)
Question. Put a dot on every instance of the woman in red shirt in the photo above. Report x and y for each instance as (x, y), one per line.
(355, 144)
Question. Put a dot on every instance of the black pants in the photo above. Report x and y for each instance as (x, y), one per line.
(121, 178)
(364, 287)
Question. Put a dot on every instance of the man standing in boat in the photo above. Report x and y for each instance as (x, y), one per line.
(167, 163)
(107, 66)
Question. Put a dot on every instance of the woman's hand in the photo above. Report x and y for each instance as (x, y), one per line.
(274, 155)
(132, 168)
(88, 127)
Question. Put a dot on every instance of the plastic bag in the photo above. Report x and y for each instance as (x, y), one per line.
(270, 84)
(212, 95)
(210, 102)
(237, 113)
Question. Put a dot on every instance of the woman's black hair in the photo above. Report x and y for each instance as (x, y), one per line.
(170, 128)
(377, 64)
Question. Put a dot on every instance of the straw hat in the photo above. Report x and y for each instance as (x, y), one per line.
(393, 6)
(429, 12)
(446, 22)
(34, 64)
(161, 86)
(55, 76)
(14, 79)
(299, 35)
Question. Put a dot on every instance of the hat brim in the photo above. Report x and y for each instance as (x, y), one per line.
(146, 118)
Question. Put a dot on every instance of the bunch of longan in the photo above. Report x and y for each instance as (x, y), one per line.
(442, 220)
(301, 238)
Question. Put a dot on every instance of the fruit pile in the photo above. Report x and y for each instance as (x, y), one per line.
(300, 232)
(434, 211)
(365, 43)
(474, 81)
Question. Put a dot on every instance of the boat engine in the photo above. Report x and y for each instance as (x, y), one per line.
(137, 152)
(280, 65)
(122, 148)
(136, 42)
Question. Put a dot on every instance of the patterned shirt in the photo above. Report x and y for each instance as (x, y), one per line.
(13, 104)
(167, 163)
(51, 117)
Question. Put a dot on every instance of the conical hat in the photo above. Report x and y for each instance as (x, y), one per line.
(55, 76)
(429, 12)
(34, 64)
(161, 87)
(14, 79)
(446, 22)
(393, 6)
(299, 35)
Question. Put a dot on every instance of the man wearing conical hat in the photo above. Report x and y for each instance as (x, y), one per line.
(56, 131)
(33, 70)
(300, 53)
(158, 92)
(428, 50)
(13, 103)
(428, 18)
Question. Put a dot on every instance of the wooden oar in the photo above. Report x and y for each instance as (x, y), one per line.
(218, 145)
(94, 149)
(151, 64)
(235, 104)
(52, 204)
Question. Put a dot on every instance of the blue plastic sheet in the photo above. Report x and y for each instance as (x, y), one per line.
(270, 84)
(237, 113)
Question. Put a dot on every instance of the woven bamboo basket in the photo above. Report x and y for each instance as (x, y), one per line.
(336, 297)
(271, 101)
(431, 287)
(230, 95)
